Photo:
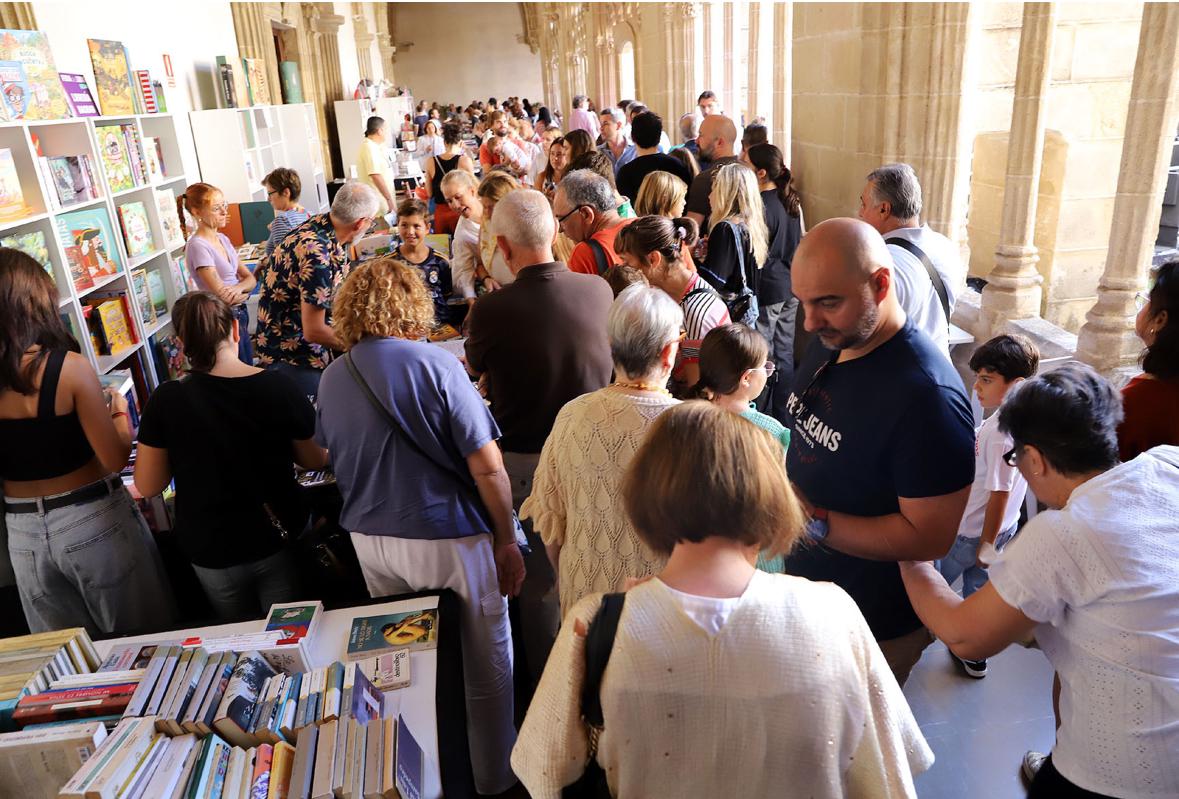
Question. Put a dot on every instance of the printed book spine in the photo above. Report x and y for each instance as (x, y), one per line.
(163, 681)
(83, 777)
(216, 691)
(304, 765)
(280, 770)
(188, 720)
(137, 781)
(325, 758)
(374, 751)
(389, 761)
(167, 773)
(186, 773)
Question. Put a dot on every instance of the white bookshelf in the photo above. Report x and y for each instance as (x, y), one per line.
(238, 147)
(76, 136)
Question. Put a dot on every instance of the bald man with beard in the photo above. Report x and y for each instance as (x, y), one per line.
(716, 140)
(882, 448)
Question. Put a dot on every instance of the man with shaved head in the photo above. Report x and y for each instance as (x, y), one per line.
(882, 450)
(716, 138)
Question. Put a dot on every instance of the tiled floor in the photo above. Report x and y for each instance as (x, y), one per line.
(979, 729)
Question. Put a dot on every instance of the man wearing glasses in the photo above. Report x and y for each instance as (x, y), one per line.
(882, 443)
(294, 306)
(587, 212)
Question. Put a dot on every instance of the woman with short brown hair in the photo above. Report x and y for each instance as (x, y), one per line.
(425, 492)
(776, 678)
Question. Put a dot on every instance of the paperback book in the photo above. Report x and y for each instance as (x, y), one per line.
(414, 630)
(156, 292)
(28, 79)
(112, 77)
(116, 159)
(136, 230)
(139, 285)
(78, 95)
(89, 242)
(169, 219)
(73, 179)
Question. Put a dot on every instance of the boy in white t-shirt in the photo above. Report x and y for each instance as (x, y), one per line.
(992, 511)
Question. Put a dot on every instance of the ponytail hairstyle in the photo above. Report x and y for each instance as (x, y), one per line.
(203, 322)
(769, 158)
(195, 198)
(727, 353)
(649, 234)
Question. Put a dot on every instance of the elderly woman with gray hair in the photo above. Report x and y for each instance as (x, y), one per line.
(576, 504)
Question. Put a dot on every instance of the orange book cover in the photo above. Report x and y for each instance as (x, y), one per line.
(233, 231)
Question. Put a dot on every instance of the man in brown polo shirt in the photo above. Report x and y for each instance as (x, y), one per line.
(537, 344)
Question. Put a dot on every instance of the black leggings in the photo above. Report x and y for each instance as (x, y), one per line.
(1051, 784)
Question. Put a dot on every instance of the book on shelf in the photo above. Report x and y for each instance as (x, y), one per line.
(233, 89)
(12, 198)
(153, 159)
(77, 92)
(115, 156)
(136, 228)
(156, 292)
(281, 762)
(29, 663)
(89, 242)
(32, 244)
(72, 178)
(169, 220)
(142, 299)
(169, 357)
(37, 94)
(36, 763)
(157, 91)
(110, 322)
(123, 381)
(232, 718)
(143, 90)
(415, 630)
(260, 779)
(257, 86)
(112, 77)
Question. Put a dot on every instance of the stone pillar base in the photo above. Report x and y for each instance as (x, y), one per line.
(1107, 340)
(1013, 288)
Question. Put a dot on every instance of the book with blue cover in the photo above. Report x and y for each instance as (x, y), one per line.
(413, 630)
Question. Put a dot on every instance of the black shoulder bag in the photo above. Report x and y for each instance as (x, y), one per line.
(742, 304)
(601, 260)
(938, 285)
(464, 480)
(599, 641)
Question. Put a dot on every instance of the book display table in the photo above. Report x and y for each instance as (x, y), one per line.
(433, 704)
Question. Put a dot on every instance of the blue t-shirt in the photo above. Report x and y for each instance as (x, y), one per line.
(435, 271)
(894, 423)
(388, 488)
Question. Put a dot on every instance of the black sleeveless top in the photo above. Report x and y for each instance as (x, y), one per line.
(47, 445)
(441, 167)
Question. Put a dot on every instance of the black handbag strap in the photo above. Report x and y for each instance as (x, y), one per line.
(465, 480)
(740, 247)
(938, 285)
(599, 640)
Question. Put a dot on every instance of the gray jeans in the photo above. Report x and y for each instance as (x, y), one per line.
(776, 324)
(247, 590)
(92, 565)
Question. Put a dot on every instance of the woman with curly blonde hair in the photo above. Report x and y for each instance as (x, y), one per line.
(425, 492)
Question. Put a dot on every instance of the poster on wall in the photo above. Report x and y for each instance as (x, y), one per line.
(112, 77)
(28, 78)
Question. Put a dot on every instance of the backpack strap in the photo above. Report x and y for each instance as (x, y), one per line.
(938, 285)
(601, 260)
(598, 643)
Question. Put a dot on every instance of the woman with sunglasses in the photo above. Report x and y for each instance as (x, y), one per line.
(212, 258)
(1150, 399)
(1095, 580)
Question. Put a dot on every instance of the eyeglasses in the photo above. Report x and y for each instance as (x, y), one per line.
(271, 193)
(220, 208)
(1011, 456)
(768, 367)
(1141, 299)
(561, 219)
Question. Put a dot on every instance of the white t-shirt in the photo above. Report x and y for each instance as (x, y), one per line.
(464, 256)
(1101, 575)
(915, 290)
(709, 612)
(991, 473)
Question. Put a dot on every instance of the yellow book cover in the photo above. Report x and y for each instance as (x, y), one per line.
(280, 770)
(115, 325)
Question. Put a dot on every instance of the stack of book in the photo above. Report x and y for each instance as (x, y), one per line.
(30, 663)
(101, 696)
(72, 177)
(373, 758)
(121, 152)
(34, 764)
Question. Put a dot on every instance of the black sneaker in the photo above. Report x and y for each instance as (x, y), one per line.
(974, 668)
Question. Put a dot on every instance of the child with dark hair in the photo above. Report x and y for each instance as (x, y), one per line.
(992, 511)
(412, 227)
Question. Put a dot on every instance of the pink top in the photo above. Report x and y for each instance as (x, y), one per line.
(200, 253)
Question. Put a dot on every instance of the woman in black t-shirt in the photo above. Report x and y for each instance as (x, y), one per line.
(778, 308)
(228, 433)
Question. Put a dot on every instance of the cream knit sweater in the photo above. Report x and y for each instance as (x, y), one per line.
(576, 496)
(791, 698)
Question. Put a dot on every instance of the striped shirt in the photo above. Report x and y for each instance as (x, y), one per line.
(703, 310)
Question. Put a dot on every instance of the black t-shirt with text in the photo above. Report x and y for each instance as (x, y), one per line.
(229, 447)
(894, 423)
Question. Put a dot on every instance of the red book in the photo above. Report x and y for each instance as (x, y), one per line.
(79, 703)
(149, 99)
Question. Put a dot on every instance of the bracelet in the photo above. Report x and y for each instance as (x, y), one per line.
(118, 414)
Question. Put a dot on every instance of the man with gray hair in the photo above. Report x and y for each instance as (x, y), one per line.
(587, 212)
(535, 345)
(615, 145)
(929, 274)
(689, 128)
(294, 307)
(582, 118)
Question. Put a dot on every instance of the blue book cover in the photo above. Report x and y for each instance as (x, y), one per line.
(15, 87)
(409, 762)
(367, 701)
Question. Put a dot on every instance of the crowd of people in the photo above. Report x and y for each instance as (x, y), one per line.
(785, 506)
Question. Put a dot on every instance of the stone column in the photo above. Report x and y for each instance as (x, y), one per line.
(1013, 286)
(783, 69)
(18, 16)
(325, 70)
(1107, 340)
(730, 67)
(255, 39)
(751, 92)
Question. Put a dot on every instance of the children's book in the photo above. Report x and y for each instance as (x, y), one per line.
(112, 77)
(297, 620)
(39, 93)
(12, 199)
(31, 244)
(91, 233)
(255, 73)
(151, 158)
(169, 219)
(77, 92)
(414, 630)
(157, 292)
(136, 229)
(142, 299)
(15, 90)
(116, 161)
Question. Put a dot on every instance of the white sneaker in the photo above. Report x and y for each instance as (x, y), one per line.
(1031, 764)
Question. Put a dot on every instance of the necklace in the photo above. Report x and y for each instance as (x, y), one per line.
(638, 385)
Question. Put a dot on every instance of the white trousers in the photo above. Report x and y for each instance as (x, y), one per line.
(467, 567)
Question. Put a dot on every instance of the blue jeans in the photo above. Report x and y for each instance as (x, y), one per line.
(247, 590)
(961, 561)
(306, 377)
(245, 350)
(91, 565)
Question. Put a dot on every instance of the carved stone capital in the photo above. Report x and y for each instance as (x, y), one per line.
(327, 23)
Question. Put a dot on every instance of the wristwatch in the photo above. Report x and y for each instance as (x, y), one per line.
(817, 528)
